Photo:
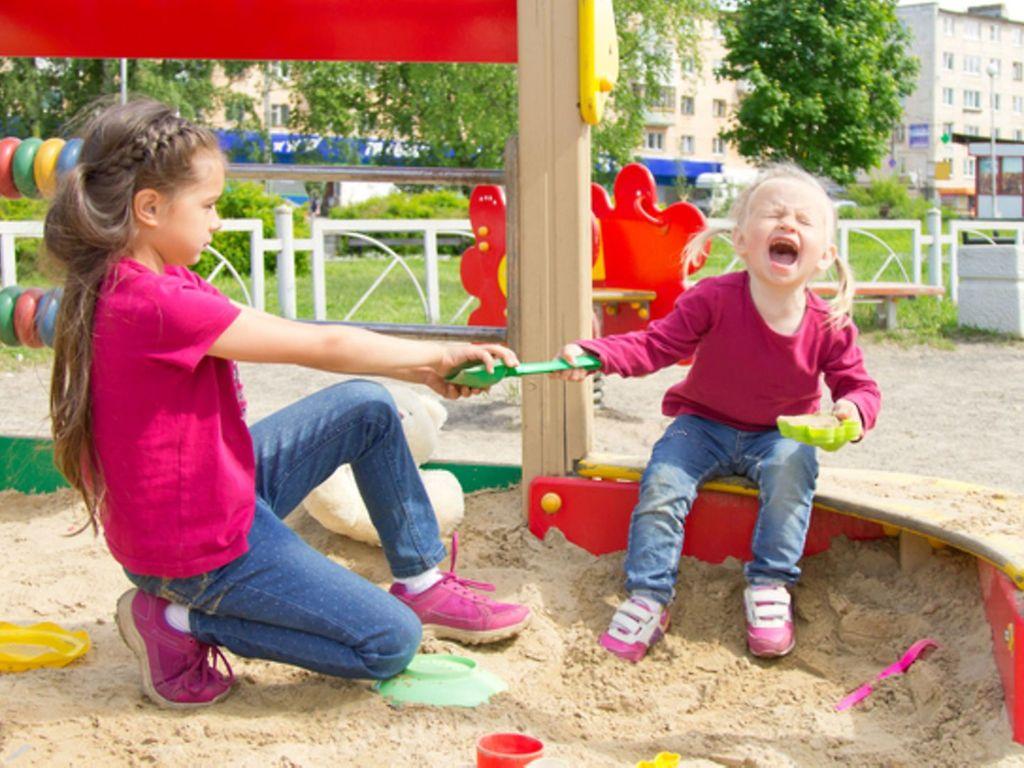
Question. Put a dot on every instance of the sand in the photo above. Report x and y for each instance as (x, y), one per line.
(698, 693)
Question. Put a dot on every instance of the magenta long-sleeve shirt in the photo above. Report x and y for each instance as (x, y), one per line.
(744, 374)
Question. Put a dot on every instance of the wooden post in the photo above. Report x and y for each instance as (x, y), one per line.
(553, 199)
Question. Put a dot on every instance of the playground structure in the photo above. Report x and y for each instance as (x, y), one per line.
(550, 265)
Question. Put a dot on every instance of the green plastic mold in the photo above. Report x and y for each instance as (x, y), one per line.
(821, 430)
(442, 681)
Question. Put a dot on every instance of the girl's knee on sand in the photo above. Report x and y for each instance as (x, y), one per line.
(393, 652)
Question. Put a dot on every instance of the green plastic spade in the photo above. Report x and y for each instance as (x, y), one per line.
(478, 377)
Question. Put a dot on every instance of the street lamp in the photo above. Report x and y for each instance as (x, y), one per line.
(992, 70)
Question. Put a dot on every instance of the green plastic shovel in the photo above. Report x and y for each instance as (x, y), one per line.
(478, 377)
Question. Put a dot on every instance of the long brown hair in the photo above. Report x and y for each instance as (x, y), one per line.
(841, 305)
(126, 148)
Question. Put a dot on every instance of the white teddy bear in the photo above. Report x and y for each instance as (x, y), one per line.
(336, 503)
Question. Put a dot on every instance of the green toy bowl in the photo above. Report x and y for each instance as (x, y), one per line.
(822, 430)
(442, 681)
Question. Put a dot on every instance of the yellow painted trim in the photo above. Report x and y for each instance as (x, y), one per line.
(598, 56)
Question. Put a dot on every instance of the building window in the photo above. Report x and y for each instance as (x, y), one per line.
(654, 140)
(948, 61)
(948, 26)
(686, 145)
(972, 130)
(718, 107)
(972, 99)
(969, 167)
(993, 32)
(947, 129)
(972, 29)
(996, 133)
(686, 105)
(1011, 178)
(1018, 104)
(278, 115)
(997, 65)
(664, 99)
(689, 64)
(996, 102)
(948, 97)
(1018, 37)
(900, 134)
(1018, 70)
(718, 145)
(1018, 135)
(972, 65)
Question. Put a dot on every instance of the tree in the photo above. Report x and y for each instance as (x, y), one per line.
(824, 81)
(39, 96)
(462, 114)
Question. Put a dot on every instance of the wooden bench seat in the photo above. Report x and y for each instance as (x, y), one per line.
(886, 294)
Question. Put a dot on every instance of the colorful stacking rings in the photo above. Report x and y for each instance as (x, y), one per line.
(28, 316)
(24, 167)
(46, 315)
(8, 298)
(7, 148)
(32, 167)
(25, 317)
(69, 156)
(44, 167)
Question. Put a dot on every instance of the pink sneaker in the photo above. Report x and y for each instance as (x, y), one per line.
(451, 609)
(634, 628)
(177, 670)
(769, 609)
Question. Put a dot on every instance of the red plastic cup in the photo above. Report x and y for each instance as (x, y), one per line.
(507, 750)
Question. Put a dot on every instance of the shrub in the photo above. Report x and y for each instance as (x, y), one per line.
(885, 197)
(431, 204)
(248, 200)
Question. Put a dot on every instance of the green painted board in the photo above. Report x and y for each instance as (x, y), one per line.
(26, 465)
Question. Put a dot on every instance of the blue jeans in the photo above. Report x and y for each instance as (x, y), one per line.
(693, 450)
(283, 600)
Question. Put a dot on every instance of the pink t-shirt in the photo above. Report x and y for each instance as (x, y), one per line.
(744, 374)
(168, 425)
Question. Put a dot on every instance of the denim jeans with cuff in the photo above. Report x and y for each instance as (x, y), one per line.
(285, 601)
(694, 450)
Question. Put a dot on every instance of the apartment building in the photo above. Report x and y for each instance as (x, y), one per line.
(682, 133)
(971, 84)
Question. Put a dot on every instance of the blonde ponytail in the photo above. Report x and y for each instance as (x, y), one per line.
(841, 305)
(694, 250)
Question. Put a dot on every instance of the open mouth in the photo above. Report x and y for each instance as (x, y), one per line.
(782, 252)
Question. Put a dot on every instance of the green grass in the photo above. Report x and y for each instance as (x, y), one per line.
(394, 301)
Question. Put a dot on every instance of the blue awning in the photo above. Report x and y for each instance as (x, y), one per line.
(667, 170)
(290, 148)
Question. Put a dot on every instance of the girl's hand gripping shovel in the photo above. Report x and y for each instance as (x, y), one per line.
(478, 377)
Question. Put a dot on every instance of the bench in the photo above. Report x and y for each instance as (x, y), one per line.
(886, 294)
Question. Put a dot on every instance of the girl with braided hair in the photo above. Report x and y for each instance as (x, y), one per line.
(148, 425)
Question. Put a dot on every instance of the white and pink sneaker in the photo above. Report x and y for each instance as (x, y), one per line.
(637, 625)
(769, 609)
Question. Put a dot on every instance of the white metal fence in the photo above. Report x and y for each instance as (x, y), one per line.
(941, 248)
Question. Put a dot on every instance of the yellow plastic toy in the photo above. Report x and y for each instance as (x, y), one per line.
(661, 760)
(39, 645)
